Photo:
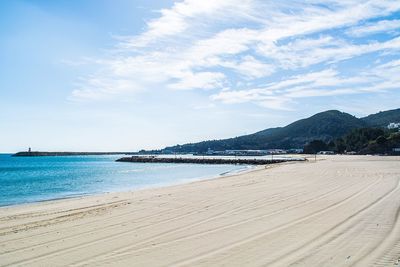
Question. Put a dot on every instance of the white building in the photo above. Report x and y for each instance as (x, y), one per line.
(326, 152)
(394, 125)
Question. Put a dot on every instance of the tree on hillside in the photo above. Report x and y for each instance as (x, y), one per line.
(381, 140)
(358, 139)
(340, 146)
(315, 146)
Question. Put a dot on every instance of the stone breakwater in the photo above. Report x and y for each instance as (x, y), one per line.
(52, 154)
(204, 160)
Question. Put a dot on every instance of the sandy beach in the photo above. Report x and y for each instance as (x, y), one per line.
(338, 211)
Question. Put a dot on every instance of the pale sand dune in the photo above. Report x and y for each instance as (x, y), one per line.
(342, 211)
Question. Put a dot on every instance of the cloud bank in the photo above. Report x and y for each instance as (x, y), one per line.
(262, 52)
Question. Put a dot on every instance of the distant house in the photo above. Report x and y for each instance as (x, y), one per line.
(246, 152)
(328, 152)
(294, 151)
(210, 152)
(394, 125)
(276, 151)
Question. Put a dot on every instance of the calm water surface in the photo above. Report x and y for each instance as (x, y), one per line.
(30, 179)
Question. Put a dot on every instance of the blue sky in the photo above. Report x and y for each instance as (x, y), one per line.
(99, 75)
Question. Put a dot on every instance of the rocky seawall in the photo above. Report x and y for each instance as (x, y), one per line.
(140, 159)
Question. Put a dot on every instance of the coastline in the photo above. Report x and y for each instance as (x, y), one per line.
(341, 210)
(245, 169)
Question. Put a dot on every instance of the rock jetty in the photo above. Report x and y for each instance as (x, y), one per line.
(142, 159)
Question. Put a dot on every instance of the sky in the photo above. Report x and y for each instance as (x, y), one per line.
(124, 75)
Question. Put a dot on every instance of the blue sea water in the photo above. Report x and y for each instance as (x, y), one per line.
(31, 179)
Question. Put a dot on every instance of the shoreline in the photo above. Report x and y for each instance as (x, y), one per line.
(339, 211)
(66, 153)
(246, 168)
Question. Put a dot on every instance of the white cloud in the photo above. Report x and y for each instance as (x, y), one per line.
(306, 52)
(387, 26)
(103, 89)
(199, 80)
(216, 45)
(324, 83)
(247, 66)
(386, 76)
(184, 15)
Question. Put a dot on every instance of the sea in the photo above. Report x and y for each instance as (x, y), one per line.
(34, 179)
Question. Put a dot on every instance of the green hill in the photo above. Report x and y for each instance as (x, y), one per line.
(325, 126)
(383, 118)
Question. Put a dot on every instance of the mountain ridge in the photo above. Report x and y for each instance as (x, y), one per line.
(326, 126)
